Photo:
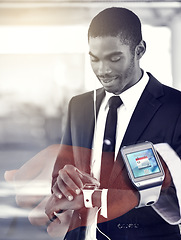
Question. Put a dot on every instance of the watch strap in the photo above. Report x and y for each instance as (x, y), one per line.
(87, 194)
(149, 196)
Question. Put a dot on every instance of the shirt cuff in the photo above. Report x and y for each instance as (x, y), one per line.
(103, 211)
(168, 205)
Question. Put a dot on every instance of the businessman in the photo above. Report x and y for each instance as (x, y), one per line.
(146, 111)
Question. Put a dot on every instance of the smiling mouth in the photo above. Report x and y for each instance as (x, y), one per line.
(107, 80)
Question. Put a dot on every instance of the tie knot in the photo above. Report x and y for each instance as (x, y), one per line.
(115, 102)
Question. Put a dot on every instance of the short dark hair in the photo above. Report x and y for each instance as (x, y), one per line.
(117, 22)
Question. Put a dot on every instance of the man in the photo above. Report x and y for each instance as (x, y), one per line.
(150, 111)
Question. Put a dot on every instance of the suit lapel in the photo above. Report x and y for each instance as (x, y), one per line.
(88, 118)
(145, 110)
(87, 126)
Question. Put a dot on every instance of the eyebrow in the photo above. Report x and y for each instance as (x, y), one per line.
(108, 56)
(91, 54)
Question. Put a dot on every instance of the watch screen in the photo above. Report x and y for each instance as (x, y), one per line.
(143, 163)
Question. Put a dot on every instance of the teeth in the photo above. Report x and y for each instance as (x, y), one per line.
(107, 80)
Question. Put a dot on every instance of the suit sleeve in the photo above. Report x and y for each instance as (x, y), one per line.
(65, 155)
(168, 205)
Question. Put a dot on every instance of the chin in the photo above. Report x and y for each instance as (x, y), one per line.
(110, 90)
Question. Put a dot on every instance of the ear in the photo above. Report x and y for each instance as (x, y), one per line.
(140, 49)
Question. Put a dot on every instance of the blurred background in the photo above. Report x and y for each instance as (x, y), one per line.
(44, 62)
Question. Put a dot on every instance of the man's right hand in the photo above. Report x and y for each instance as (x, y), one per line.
(70, 181)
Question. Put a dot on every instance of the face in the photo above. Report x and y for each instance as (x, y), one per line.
(113, 63)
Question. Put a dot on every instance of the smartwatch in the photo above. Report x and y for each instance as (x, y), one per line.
(88, 189)
(144, 170)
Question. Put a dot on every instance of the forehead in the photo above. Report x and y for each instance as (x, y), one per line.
(107, 45)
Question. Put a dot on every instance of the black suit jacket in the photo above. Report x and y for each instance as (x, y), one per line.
(157, 118)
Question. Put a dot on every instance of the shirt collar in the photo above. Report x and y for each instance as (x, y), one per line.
(131, 96)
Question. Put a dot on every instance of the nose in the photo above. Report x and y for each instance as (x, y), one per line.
(103, 69)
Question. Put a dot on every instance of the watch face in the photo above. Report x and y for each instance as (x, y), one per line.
(143, 163)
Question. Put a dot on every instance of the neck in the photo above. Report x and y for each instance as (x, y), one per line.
(140, 75)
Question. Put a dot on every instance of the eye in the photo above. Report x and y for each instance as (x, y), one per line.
(115, 58)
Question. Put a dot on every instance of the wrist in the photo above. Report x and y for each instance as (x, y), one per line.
(100, 201)
(96, 198)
